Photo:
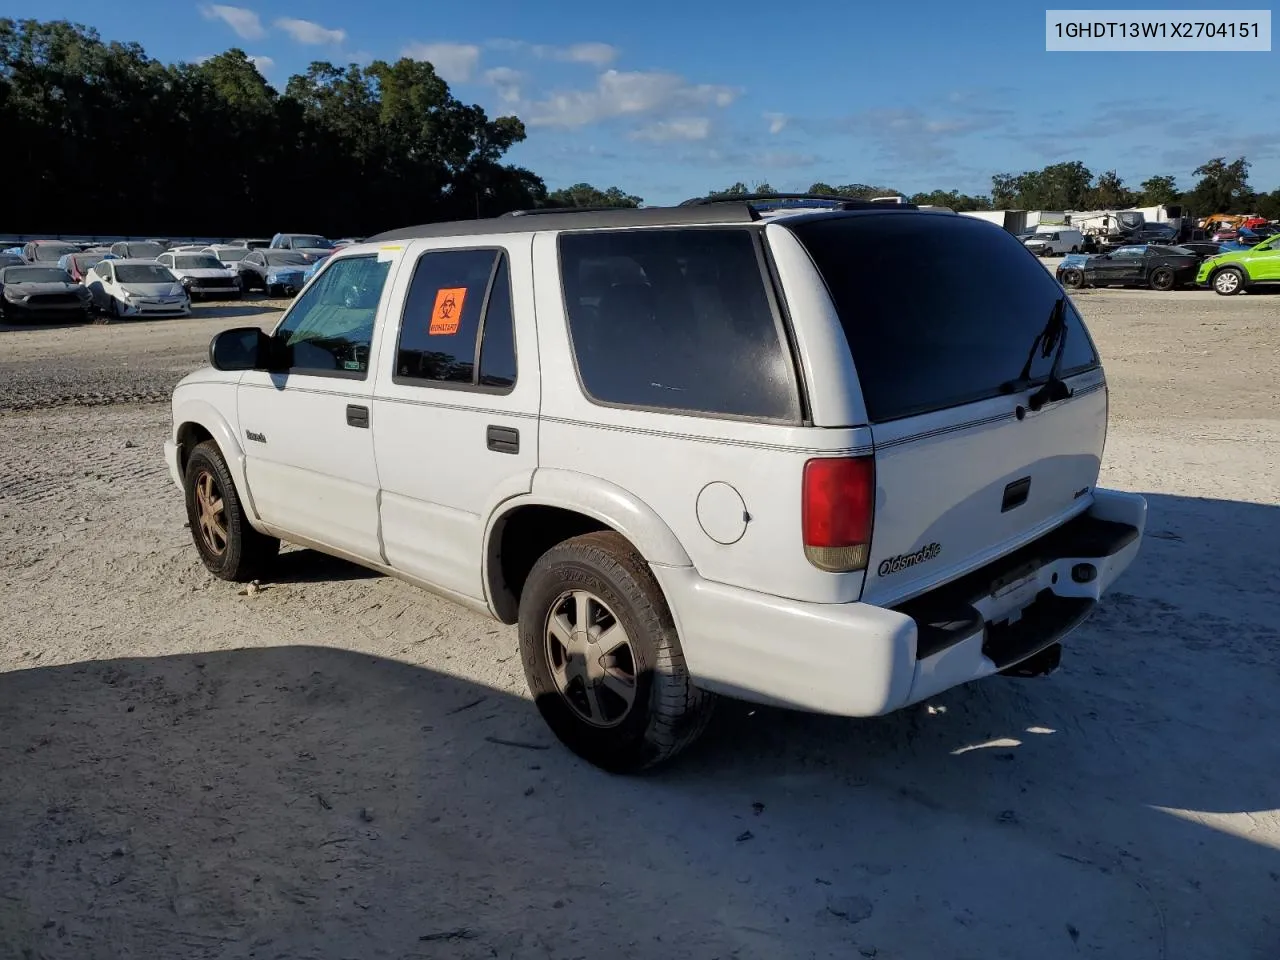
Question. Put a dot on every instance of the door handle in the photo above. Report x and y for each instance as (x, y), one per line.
(503, 439)
(357, 416)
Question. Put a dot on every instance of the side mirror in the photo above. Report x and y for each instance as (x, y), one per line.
(242, 348)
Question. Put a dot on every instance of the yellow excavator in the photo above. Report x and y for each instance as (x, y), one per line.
(1231, 221)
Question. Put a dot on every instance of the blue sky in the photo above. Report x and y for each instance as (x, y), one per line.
(668, 100)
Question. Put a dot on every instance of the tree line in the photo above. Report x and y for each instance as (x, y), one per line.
(100, 138)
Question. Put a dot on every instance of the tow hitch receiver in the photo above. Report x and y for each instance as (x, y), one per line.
(1040, 665)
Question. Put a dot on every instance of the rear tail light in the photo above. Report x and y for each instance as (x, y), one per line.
(837, 507)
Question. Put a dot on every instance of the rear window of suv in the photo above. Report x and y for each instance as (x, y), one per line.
(938, 309)
(677, 320)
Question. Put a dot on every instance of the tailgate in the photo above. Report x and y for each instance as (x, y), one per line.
(958, 489)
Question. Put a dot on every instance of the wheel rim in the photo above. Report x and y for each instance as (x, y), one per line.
(211, 513)
(591, 658)
(1226, 282)
(1162, 280)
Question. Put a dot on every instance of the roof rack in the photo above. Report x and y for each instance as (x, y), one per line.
(841, 203)
(574, 218)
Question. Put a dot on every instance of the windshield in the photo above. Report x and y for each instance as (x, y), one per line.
(35, 275)
(144, 251)
(302, 240)
(231, 253)
(53, 252)
(957, 339)
(85, 261)
(198, 262)
(142, 273)
(285, 258)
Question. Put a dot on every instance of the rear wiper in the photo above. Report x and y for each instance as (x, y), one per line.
(1053, 334)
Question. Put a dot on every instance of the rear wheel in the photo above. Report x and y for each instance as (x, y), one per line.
(229, 547)
(1228, 282)
(1161, 279)
(602, 658)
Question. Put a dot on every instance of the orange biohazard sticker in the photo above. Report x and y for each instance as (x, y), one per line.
(447, 311)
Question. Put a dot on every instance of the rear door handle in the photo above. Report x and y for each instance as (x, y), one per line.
(503, 439)
(357, 416)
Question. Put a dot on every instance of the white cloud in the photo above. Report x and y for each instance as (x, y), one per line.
(777, 122)
(306, 31)
(683, 128)
(244, 22)
(593, 52)
(455, 62)
(262, 63)
(619, 94)
(506, 82)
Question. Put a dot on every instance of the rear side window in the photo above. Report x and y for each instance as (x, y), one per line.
(938, 309)
(457, 326)
(677, 320)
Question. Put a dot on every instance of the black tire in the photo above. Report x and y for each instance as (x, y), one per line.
(245, 553)
(667, 712)
(1161, 279)
(1072, 278)
(1075, 249)
(1222, 282)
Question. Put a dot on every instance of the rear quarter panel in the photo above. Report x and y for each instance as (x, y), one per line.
(667, 460)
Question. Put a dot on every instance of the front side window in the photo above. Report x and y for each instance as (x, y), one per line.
(457, 326)
(676, 320)
(329, 330)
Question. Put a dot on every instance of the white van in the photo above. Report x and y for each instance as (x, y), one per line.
(1048, 243)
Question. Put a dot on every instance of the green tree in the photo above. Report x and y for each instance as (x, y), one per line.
(1004, 191)
(1268, 205)
(1109, 192)
(585, 195)
(953, 199)
(1223, 187)
(1159, 190)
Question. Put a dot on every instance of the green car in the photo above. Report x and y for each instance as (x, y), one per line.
(1230, 273)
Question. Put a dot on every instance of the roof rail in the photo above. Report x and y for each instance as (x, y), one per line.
(538, 211)
(842, 203)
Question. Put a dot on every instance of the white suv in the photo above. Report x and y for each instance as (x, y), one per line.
(838, 460)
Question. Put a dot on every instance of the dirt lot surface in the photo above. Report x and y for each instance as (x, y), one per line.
(318, 770)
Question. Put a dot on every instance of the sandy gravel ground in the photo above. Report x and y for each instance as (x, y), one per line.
(311, 772)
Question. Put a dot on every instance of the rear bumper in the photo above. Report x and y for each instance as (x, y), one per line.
(856, 659)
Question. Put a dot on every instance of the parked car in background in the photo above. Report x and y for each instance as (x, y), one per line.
(201, 274)
(47, 252)
(347, 241)
(79, 264)
(1202, 248)
(1053, 242)
(257, 243)
(138, 249)
(136, 288)
(1235, 271)
(187, 248)
(228, 254)
(275, 272)
(10, 259)
(1146, 265)
(41, 293)
(308, 244)
(312, 270)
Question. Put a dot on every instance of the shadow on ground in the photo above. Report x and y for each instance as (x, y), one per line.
(316, 802)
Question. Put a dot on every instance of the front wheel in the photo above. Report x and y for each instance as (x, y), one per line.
(1162, 279)
(1072, 278)
(1228, 282)
(602, 658)
(229, 547)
